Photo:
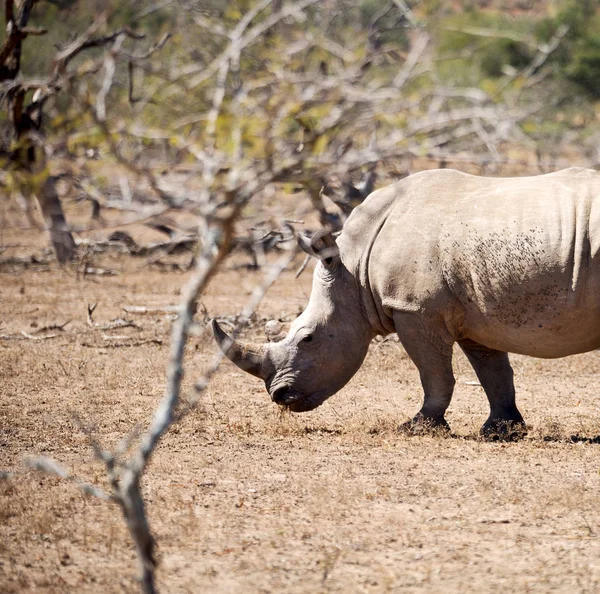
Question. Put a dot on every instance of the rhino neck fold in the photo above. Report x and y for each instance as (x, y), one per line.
(356, 242)
(381, 323)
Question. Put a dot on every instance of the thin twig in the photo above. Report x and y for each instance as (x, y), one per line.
(51, 467)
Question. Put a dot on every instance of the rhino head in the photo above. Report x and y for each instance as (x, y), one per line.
(325, 345)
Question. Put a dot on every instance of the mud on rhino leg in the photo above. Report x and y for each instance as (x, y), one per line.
(429, 345)
(496, 377)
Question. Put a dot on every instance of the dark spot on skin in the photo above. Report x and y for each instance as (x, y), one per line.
(486, 269)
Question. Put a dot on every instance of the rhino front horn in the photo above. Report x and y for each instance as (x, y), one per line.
(248, 357)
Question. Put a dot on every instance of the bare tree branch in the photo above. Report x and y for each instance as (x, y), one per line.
(51, 467)
(109, 73)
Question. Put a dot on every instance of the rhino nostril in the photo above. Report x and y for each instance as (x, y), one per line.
(278, 396)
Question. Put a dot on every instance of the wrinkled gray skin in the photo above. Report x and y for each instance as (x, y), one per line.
(496, 265)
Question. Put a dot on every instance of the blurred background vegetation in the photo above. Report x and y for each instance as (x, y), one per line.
(478, 43)
(488, 86)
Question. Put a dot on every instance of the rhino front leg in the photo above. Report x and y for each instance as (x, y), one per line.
(429, 345)
(496, 377)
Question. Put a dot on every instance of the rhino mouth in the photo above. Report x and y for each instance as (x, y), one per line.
(294, 401)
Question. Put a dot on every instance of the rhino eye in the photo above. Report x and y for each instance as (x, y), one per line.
(308, 338)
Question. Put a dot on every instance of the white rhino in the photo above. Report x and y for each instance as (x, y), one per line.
(498, 265)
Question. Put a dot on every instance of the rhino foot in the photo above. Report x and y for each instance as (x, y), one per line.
(422, 425)
(504, 430)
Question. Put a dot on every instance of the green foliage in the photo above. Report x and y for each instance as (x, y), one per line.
(575, 15)
(578, 57)
(585, 66)
(486, 45)
(501, 53)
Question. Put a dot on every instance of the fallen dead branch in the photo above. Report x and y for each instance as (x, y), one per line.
(119, 323)
(32, 337)
(25, 262)
(52, 327)
(26, 336)
(89, 271)
(116, 323)
(37, 335)
(114, 345)
(116, 337)
(143, 309)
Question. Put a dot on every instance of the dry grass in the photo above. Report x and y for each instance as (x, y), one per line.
(243, 498)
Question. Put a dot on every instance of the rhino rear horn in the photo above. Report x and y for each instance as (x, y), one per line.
(322, 245)
(247, 357)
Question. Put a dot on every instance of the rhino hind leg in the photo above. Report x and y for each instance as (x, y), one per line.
(495, 375)
(430, 348)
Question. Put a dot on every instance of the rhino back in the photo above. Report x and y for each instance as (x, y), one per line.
(512, 263)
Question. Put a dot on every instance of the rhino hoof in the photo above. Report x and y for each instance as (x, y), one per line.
(503, 430)
(422, 425)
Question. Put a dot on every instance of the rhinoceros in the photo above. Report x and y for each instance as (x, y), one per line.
(497, 265)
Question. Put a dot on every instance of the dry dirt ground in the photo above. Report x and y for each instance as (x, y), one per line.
(244, 499)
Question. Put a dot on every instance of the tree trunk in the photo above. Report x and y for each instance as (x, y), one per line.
(60, 234)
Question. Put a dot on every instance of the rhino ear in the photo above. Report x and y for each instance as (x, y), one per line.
(322, 246)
